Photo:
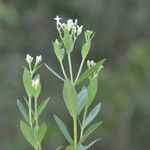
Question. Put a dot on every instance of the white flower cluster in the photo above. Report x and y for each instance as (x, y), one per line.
(71, 26)
(29, 59)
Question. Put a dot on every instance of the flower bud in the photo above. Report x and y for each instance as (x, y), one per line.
(91, 64)
(89, 35)
(36, 85)
(58, 50)
(29, 59)
(38, 59)
(36, 81)
(79, 29)
(69, 24)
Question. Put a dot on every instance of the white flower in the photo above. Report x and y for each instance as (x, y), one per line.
(38, 59)
(76, 21)
(29, 59)
(69, 24)
(74, 29)
(57, 18)
(36, 81)
(79, 29)
(63, 25)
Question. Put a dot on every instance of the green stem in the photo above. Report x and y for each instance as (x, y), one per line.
(75, 133)
(36, 113)
(36, 148)
(40, 147)
(36, 119)
(83, 122)
(30, 113)
(70, 67)
(63, 70)
(80, 69)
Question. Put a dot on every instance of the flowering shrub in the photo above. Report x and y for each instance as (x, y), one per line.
(77, 103)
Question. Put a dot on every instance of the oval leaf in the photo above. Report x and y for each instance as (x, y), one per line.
(28, 133)
(42, 132)
(27, 81)
(70, 98)
(85, 48)
(92, 90)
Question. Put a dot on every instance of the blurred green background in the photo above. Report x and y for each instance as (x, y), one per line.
(122, 36)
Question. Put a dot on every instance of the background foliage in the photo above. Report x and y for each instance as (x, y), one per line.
(122, 36)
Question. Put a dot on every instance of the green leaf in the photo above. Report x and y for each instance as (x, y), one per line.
(70, 98)
(59, 52)
(42, 131)
(68, 42)
(28, 133)
(53, 72)
(89, 131)
(89, 72)
(82, 97)
(27, 103)
(81, 147)
(92, 90)
(23, 110)
(63, 129)
(85, 48)
(27, 81)
(38, 90)
(92, 143)
(35, 133)
(60, 147)
(42, 106)
(92, 114)
(70, 147)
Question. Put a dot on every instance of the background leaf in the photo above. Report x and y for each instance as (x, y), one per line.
(89, 131)
(63, 129)
(92, 114)
(54, 72)
(82, 97)
(42, 106)
(60, 147)
(23, 110)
